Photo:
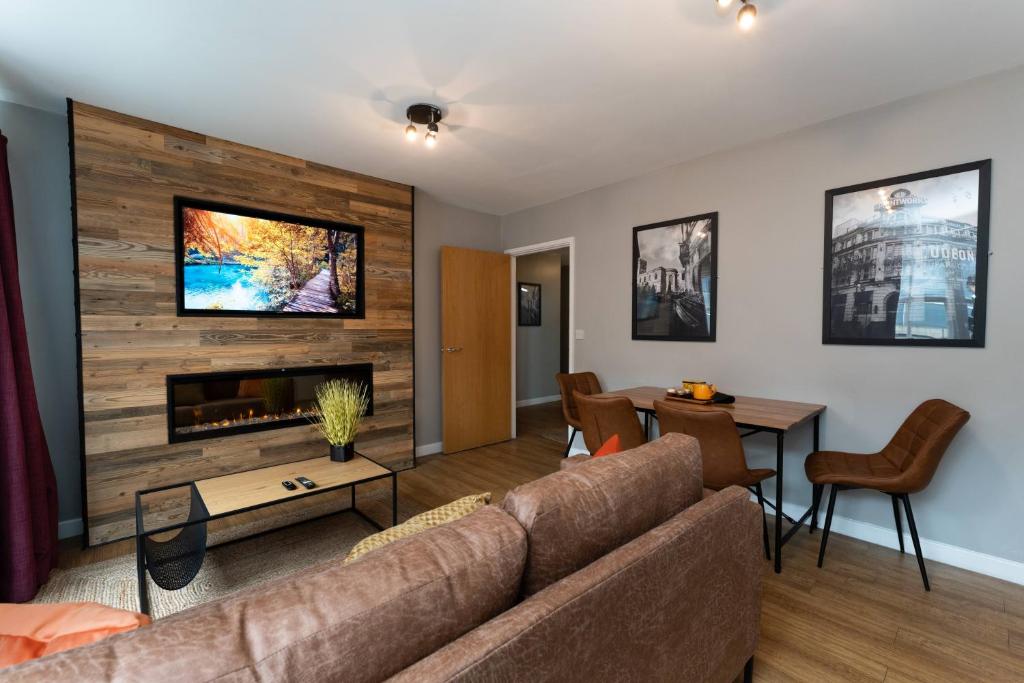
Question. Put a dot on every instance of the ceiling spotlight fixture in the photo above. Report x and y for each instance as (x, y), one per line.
(723, 4)
(423, 114)
(747, 15)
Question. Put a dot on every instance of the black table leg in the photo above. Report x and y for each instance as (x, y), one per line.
(140, 556)
(779, 447)
(647, 425)
(394, 499)
(140, 559)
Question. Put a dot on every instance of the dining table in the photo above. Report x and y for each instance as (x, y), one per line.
(752, 416)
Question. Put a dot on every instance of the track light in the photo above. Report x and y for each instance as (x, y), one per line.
(747, 15)
(723, 4)
(426, 114)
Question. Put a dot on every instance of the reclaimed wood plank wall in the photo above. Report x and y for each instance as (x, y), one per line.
(126, 172)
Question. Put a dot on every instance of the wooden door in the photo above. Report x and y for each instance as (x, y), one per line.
(476, 348)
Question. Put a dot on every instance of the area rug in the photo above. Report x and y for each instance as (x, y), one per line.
(235, 562)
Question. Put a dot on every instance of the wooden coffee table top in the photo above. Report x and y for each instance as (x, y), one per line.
(244, 490)
(767, 413)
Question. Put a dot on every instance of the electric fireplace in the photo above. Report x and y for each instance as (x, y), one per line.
(209, 405)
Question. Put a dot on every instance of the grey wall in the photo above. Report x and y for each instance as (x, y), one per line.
(438, 224)
(771, 202)
(38, 161)
(537, 348)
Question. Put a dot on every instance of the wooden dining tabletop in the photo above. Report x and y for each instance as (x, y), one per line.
(747, 411)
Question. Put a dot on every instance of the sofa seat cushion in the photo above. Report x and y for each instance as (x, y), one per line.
(359, 622)
(576, 515)
(449, 512)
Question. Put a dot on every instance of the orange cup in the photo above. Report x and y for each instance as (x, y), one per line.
(703, 392)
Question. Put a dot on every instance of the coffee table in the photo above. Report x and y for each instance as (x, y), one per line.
(174, 561)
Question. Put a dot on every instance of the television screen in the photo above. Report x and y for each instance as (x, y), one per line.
(238, 261)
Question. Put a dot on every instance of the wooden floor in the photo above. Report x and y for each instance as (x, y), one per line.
(863, 617)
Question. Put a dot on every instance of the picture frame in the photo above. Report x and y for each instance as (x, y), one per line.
(287, 304)
(906, 259)
(673, 302)
(529, 304)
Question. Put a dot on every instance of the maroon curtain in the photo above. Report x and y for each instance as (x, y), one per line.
(28, 490)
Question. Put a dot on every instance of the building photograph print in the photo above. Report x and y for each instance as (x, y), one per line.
(906, 259)
(674, 271)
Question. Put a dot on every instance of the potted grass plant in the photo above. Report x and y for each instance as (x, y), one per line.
(339, 408)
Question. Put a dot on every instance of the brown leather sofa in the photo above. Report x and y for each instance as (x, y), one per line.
(617, 569)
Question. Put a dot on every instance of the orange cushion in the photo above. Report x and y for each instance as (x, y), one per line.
(31, 631)
(612, 445)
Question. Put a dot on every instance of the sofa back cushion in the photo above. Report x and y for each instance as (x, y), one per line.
(359, 622)
(679, 603)
(575, 516)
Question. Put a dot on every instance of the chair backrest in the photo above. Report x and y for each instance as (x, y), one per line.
(922, 440)
(601, 418)
(721, 448)
(584, 382)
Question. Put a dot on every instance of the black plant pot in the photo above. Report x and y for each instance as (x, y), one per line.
(344, 452)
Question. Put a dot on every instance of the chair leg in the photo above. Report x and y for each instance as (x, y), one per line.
(899, 522)
(568, 446)
(828, 524)
(817, 490)
(915, 539)
(748, 670)
(764, 520)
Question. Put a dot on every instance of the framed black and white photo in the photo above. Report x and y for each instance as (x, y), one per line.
(906, 259)
(529, 304)
(675, 266)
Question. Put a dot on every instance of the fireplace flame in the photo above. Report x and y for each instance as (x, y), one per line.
(243, 419)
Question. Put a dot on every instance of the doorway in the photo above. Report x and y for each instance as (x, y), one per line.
(542, 335)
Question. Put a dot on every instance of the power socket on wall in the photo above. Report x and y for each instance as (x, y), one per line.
(579, 334)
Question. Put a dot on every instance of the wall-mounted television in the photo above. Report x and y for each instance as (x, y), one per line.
(238, 261)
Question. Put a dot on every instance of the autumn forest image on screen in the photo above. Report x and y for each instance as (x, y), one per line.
(233, 262)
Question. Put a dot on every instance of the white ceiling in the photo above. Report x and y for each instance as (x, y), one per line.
(544, 98)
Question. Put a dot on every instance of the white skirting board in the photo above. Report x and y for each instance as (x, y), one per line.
(935, 551)
(428, 449)
(538, 401)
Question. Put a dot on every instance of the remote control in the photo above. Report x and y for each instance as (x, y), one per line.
(289, 485)
(306, 482)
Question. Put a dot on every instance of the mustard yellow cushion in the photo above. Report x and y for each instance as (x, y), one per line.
(421, 522)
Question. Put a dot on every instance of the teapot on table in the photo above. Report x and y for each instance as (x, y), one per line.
(703, 391)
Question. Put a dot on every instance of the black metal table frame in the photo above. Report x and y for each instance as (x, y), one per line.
(141, 534)
(780, 538)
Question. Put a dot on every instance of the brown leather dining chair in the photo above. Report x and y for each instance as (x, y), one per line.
(906, 465)
(603, 417)
(721, 451)
(584, 382)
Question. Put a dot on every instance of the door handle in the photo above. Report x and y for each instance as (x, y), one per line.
(450, 349)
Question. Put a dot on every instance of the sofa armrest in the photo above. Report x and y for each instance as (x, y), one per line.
(689, 591)
(574, 460)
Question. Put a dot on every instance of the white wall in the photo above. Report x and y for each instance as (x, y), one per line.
(38, 162)
(771, 202)
(438, 224)
(538, 348)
